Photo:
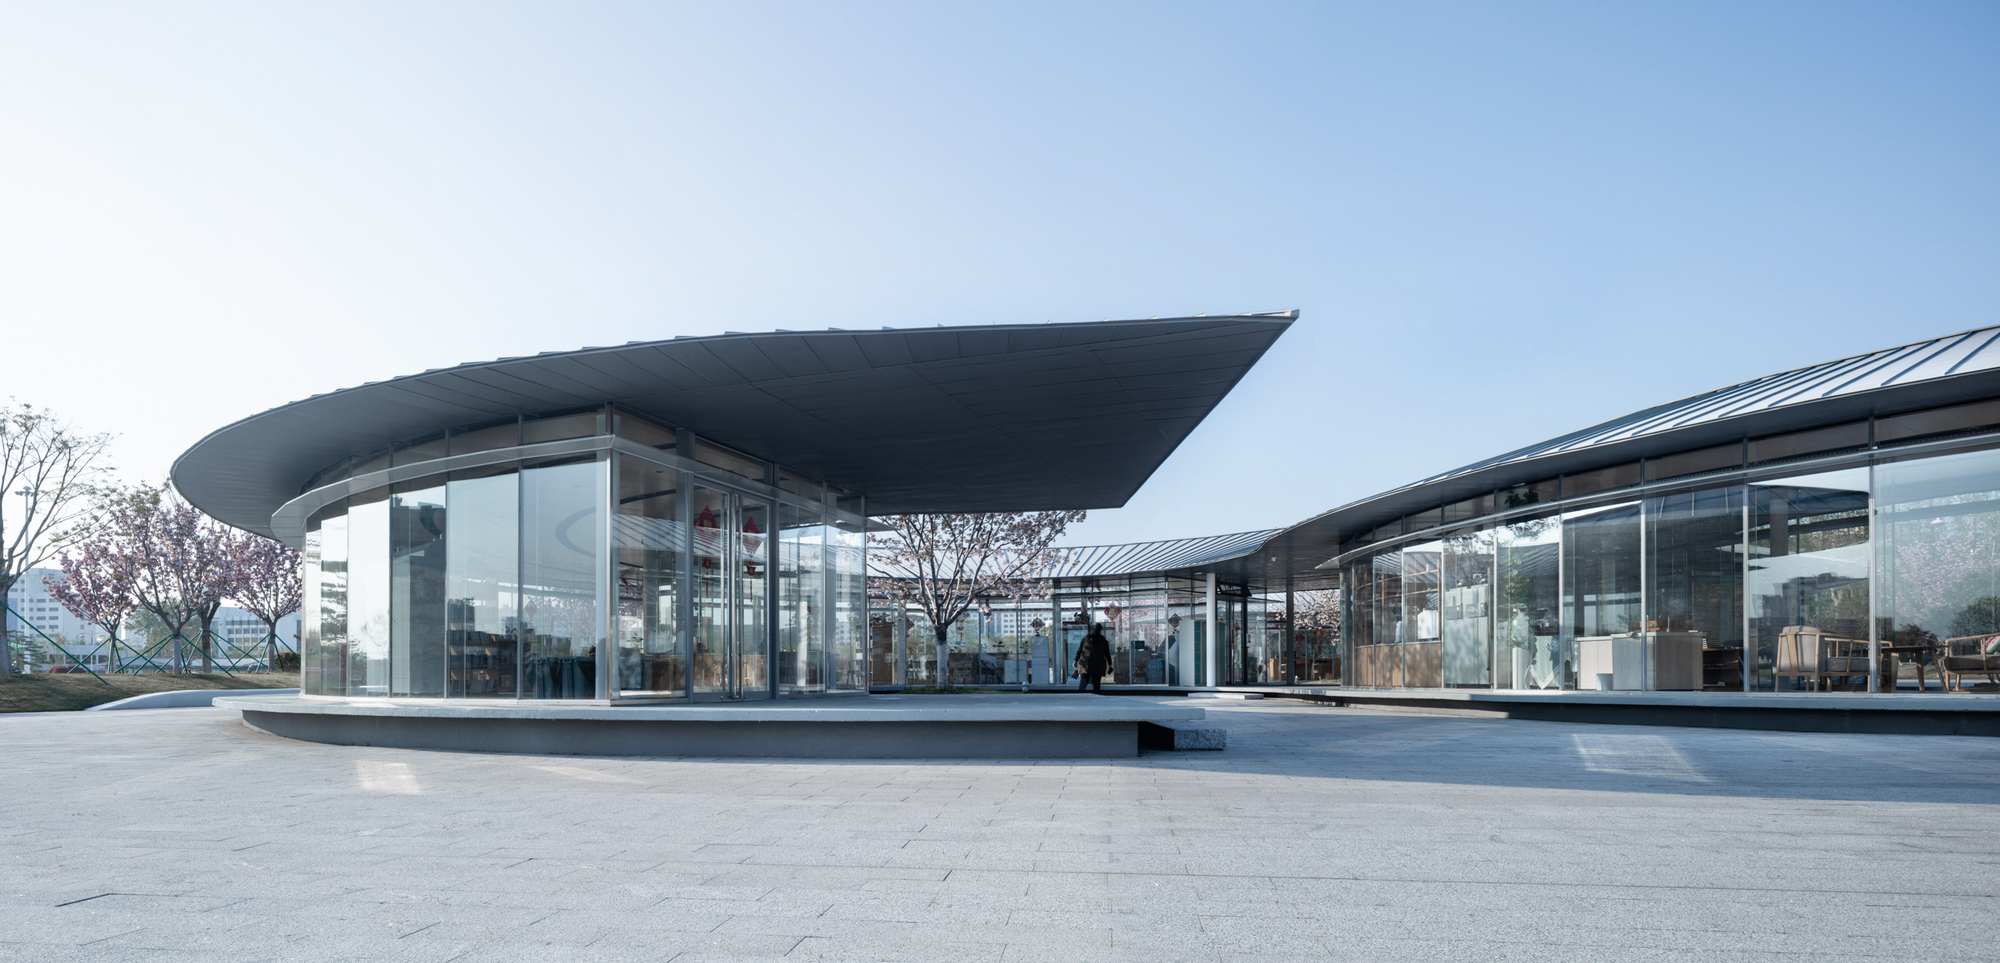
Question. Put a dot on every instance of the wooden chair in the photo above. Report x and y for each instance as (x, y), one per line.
(1967, 654)
(1809, 653)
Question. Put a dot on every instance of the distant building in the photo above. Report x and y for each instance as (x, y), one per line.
(36, 615)
(39, 617)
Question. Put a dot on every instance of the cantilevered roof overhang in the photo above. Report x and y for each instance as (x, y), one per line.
(944, 419)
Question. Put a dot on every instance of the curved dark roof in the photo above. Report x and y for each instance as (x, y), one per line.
(944, 419)
(1937, 371)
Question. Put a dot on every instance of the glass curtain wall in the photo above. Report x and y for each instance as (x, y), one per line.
(482, 585)
(1152, 623)
(1465, 608)
(368, 594)
(1807, 584)
(1423, 653)
(1527, 613)
(850, 633)
(1600, 559)
(802, 589)
(581, 578)
(1765, 586)
(417, 551)
(1938, 564)
(647, 537)
(1694, 590)
(325, 654)
(562, 539)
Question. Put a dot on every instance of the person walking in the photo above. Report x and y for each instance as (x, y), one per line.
(1093, 659)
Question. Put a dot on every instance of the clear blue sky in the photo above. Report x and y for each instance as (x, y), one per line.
(1502, 221)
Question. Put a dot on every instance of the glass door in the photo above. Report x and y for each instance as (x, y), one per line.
(730, 598)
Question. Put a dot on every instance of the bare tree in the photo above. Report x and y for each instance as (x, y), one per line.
(946, 564)
(48, 473)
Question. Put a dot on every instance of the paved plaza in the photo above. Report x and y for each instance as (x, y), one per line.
(1321, 833)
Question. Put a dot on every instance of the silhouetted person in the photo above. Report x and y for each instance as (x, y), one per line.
(1093, 659)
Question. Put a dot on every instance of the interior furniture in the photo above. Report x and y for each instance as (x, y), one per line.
(1810, 653)
(1677, 660)
(1721, 667)
(1919, 654)
(1620, 655)
(1971, 654)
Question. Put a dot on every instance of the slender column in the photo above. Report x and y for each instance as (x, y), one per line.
(607, 575)
(1874, 634)
(1291, 634)
(1213, 655)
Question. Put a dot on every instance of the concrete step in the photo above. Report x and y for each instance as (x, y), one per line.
(1181, 737)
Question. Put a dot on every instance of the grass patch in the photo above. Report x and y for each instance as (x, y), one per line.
(60, 691)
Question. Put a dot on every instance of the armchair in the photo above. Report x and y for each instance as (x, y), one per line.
(1808, 652)
(1975, 654)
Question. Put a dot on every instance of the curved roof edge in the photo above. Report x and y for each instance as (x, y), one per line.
(1165, 555)
(1923, 374)
(941, 419)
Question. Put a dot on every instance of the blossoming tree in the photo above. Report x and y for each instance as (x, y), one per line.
(96, 586)
(268, 586)
(946, 564)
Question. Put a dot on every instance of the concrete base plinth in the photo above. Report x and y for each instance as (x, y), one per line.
(881, 727)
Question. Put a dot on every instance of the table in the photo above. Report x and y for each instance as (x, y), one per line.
(1888, 672)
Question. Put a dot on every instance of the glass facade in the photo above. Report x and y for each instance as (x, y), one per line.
(617, 571)
(1158, 627)
(1869, 571)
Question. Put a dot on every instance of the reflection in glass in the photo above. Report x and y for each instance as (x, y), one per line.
(1384, 660)
(1527, 609)
(1357, 619)
(1423, 658)
(482, 586)
(1466, 608)
(309, 622)
(649, 538)
(1694, 589)
(850, 606)
(731, 572)
(1807, 591)
(368, 596)
(325, 670)
(753, 578)
(417, 592)
(562, 533)
(1601, 598)
(1939, 525)
(802, 589)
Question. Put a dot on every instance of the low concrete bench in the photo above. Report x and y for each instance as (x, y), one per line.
(1181, 737)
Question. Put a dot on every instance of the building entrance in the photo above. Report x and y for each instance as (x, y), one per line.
(731, 596)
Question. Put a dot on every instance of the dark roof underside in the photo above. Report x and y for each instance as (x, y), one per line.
(1002, 418)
